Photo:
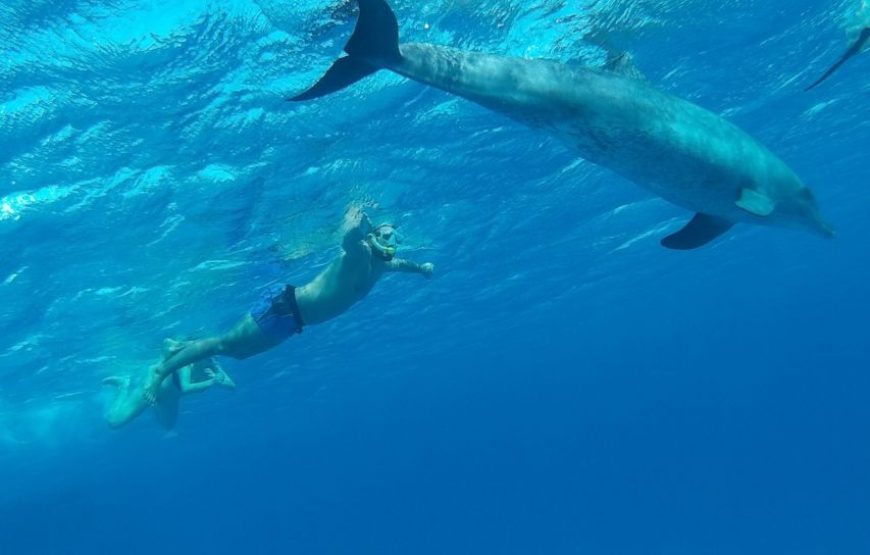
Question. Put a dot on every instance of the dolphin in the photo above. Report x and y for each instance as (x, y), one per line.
(856, 48)
(675, 149)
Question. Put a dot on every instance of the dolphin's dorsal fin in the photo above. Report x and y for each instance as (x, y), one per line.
(755, 203)
(623, 64)
(700, 230)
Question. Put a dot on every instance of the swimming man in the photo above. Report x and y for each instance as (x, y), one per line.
(369, 253)
(195, 378)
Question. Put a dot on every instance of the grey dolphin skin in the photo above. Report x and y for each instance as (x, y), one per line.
(854, 49)
(677, 150)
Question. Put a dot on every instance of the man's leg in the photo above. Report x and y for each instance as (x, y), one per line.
(127, 405)
(167, 411)
(243, 341)
(189, 353)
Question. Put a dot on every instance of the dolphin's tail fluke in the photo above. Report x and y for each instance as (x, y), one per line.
(373, 45)
(854, 49)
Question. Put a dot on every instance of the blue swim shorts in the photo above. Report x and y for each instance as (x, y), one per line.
(276, 312)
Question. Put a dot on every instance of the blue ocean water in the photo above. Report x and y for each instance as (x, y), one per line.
(562, 385)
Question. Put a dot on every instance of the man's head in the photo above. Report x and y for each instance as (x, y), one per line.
(384, 241)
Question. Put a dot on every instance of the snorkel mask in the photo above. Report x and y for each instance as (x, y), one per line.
(384, 240)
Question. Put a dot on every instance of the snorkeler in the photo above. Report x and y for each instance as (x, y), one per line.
(283, 310)
(195, 378)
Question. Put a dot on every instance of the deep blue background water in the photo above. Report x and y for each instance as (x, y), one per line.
(563, 385)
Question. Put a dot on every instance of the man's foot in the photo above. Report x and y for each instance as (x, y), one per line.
(121, 382)
(171, 347)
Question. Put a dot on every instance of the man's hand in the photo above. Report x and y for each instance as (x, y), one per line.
(356, 218)
(355, 227)
(216, 377)
(427, 269)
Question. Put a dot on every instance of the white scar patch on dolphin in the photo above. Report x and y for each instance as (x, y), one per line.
(679, 151)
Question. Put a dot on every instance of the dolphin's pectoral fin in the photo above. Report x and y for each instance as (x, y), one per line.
(702, 229)
(755, 203)
(345, 71)
(623, 64)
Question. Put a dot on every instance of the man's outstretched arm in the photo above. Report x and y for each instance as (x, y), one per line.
(401, 265)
